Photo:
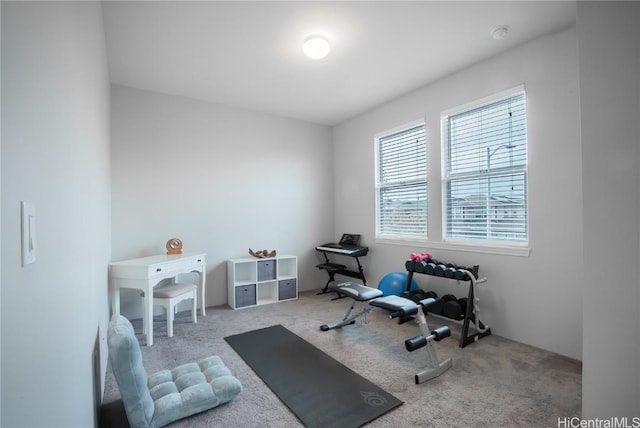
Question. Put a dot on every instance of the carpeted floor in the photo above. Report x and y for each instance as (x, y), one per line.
(494, 382)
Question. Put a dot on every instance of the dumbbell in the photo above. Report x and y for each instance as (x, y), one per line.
(455, 309)
(431, 294)
(449, 298)
(429, 268)
(436, 307)
(439, 269)
(460, 274)
(450, 271)
(450, 306)
(409, 266)
(418, 295)
(419, 266)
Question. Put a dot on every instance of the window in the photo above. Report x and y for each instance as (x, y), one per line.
(401, 184)
(485, 172)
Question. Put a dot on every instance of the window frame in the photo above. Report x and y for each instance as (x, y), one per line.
(390, 237)
(498, 246)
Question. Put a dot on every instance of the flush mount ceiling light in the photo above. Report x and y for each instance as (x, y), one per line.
(500, 32)
(316, 47)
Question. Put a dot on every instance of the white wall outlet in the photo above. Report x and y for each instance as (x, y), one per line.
(29, 241)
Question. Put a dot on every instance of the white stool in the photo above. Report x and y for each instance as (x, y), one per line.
(169, 296)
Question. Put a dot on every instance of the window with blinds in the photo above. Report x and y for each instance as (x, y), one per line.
(485, 172)
(401, 184)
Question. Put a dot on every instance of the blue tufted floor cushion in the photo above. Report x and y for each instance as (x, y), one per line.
(168, 395)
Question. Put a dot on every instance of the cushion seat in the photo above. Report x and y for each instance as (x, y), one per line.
(173, 290)
(168, 395)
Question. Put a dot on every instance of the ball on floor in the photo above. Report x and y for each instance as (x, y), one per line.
(393, 284)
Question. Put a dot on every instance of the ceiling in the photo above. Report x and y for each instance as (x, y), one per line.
(249, 54)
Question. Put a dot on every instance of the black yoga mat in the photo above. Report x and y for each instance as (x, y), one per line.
(319, 390)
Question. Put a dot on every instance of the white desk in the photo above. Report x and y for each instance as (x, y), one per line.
(146, 272)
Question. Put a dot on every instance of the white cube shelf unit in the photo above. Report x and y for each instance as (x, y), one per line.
(253, 281)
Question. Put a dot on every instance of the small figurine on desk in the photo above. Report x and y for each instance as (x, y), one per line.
(262, 253)
(174, 246)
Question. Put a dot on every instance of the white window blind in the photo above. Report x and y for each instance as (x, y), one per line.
(485, 175)
(401, 184)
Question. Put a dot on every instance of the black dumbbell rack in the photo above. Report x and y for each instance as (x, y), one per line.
(450, 271)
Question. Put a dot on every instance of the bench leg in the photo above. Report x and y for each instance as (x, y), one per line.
(348, 318)
(433, 372)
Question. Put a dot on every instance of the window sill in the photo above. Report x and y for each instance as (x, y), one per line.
(522, 250)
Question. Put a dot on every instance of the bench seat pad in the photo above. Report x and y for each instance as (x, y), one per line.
(395, 303)
(358, 292)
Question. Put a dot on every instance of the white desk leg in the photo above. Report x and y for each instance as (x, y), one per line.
(115, 299)
(144, 315)
(148, 313)
(203, 282)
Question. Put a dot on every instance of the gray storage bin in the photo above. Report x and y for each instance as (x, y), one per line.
(266, 270)
(245, 295)
(287, 289)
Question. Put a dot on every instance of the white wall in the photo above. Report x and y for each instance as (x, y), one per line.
(609, 40)
(535, 299)
(222, 179)
(55, 154)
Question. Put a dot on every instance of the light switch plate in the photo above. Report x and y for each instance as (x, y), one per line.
(29, 242)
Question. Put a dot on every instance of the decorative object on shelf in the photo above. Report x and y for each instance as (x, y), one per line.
(262, 253)
(174, 246)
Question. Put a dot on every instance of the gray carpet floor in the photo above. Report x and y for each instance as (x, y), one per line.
(494, 382)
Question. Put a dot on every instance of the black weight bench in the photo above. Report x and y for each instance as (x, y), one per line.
(405, 310)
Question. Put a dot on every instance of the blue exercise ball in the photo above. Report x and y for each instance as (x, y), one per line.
(394, 283)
